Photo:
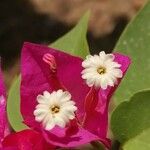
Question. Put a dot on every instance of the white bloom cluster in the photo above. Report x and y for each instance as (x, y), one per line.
(101, 70)
(54, 108)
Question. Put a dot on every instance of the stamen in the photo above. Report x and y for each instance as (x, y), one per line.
(55, 109)
(50, 60)
(101, 70)
(53, 78)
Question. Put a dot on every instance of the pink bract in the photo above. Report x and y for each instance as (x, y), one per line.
(4, 129)
(97, 111)
(26, 140)
(92, 116)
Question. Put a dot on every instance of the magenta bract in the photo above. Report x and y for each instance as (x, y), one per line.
(26, 140)
(63, 71)
(4, 129)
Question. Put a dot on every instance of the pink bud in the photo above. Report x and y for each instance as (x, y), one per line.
(50, 60)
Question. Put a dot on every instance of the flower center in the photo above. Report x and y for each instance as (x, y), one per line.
(55, 109)
(101, 70)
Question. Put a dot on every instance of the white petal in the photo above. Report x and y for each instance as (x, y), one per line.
(112, 65)
(63, 115)
(66, 96)
(59, 93)
(42, 106)
(102, 54)
(46, 94)
(87, 75)
(68, 103)
(47, 119)
(69, 107)
(40, 117)
(90, 82)
(97, 82)
(109, 57)
(104, 83)
(50, 125)
(70, 115)
(89, 70)
(60, 121)
(41, 99)
(39, 111)
(117, 73)
(91, 61)
(86, 63)
(110, 82)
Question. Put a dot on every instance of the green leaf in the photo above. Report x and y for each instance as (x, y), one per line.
(13, 107)
(131, 118)
(140, 142)
(95, 145)
(134, 42)
(75, 42)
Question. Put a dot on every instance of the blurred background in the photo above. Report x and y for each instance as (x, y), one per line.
(43, 21)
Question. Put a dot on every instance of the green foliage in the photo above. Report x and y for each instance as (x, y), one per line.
(134, 42)
(130, 122)
(74, 42)
(140, 142)
(131, 118)
(94, 146)
(13, 106)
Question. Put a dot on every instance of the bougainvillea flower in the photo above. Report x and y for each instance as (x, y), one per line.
(4, 129)
(97, 100)
(53, 107)
(25, 140)
(46, 69)
(101, 70)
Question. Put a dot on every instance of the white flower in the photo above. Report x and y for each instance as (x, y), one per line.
(54, 108)
(101, 70)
